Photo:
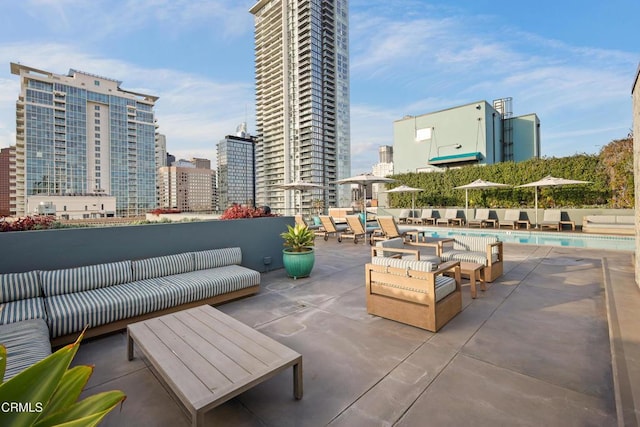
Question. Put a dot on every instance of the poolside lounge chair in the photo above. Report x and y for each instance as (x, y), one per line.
(300, 220)
(551, 219)
(356, 229)
(426, 217)
(481, 218)
(511, 218)
(391, 230)
(329, 228)
(404, 215)
(450, 217)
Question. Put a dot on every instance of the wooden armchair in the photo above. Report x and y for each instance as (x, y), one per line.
(413, 292)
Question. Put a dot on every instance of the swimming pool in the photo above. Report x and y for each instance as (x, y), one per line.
(572, 240)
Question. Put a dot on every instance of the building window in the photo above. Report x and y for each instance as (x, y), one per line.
(96, 82)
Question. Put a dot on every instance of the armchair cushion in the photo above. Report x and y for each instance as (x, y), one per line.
(79, 279)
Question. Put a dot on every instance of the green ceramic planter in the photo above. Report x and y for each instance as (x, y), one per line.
(298, 264)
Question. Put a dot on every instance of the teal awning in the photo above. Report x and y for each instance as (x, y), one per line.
(456, 158)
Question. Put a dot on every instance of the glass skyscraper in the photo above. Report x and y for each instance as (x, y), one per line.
(302, 101)
(81, 134)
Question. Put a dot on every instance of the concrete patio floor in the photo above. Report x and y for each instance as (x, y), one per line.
(532, 350)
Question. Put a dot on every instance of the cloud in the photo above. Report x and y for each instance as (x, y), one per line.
(193, 111)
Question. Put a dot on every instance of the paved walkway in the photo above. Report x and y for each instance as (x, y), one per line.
(532, 350)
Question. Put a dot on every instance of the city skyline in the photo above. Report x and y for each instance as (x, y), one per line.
(572, 65)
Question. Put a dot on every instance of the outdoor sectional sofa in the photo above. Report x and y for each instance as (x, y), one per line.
(107, 297)
(609, 224)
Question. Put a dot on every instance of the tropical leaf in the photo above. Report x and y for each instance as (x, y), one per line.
(69, 389)
(95, 404)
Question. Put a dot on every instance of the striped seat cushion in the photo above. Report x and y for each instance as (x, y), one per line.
(25, 309)
(467, 256)
(27, 343)
(216, 258)
(202, 284)
(70, 313)
(17, 286)
(444, 286)
(167, 265)
(79, 279)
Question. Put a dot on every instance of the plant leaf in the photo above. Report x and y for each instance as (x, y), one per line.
(69, 389)
(36, 384)
(95, 404)
(3, 362)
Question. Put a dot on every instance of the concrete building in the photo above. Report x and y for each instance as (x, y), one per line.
(7, 180)
(72, 207)
(187, 188)
(478, 133)
(302, 100)
(383, 168)
(161, 150)
(82, 134)
(236, 170)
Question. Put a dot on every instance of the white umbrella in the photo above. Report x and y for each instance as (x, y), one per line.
(407, 189)
(478, 184)
(550, 181)
(300, 186)
(364, 179)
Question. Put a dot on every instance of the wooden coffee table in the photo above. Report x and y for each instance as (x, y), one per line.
(475, 273)
(207, 357)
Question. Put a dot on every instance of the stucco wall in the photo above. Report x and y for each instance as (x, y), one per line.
(636, 162)
(259, 238)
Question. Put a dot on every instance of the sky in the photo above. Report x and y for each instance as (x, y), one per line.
(571, 62)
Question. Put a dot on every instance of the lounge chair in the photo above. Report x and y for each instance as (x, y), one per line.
(413, 292)
(330, 228)
(511, 218)
(391, 230)
(404, 216)
(426, 217)
(450, 217)
(551, 219)
(301, 221)
(485, 250)
(481, 218)
(356, 229)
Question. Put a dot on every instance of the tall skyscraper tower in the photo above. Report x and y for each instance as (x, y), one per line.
(81, 134)
(236, 170)
(302, 100)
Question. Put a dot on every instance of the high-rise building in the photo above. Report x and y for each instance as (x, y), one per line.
(236, 170)
(302, 100)
(187, 188)
(81, 134)
(7, 172)
(161, 150)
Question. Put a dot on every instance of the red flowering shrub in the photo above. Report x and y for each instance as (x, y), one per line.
(238, 211)
(29, 223)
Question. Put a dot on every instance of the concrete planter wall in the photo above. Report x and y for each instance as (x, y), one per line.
(259, 239)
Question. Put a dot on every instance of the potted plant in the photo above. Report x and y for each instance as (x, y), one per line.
(298, 256)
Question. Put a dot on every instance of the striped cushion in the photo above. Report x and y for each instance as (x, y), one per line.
(27, 343)
(444, 286)
(25, 309)
(201, 284)
(17, 286)
(150, 268)
(70, 313)
(69, 280)
(217, 258)
(418, 265)
(473, 243)
(475, 257)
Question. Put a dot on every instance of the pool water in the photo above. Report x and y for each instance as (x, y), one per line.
(572, 240)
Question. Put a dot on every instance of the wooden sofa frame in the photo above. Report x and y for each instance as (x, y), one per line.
(388, 302)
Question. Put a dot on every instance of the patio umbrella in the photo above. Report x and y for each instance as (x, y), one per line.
(478, 184)
(406, 189)
(550, 181)
(364, 179)
(300, 186)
